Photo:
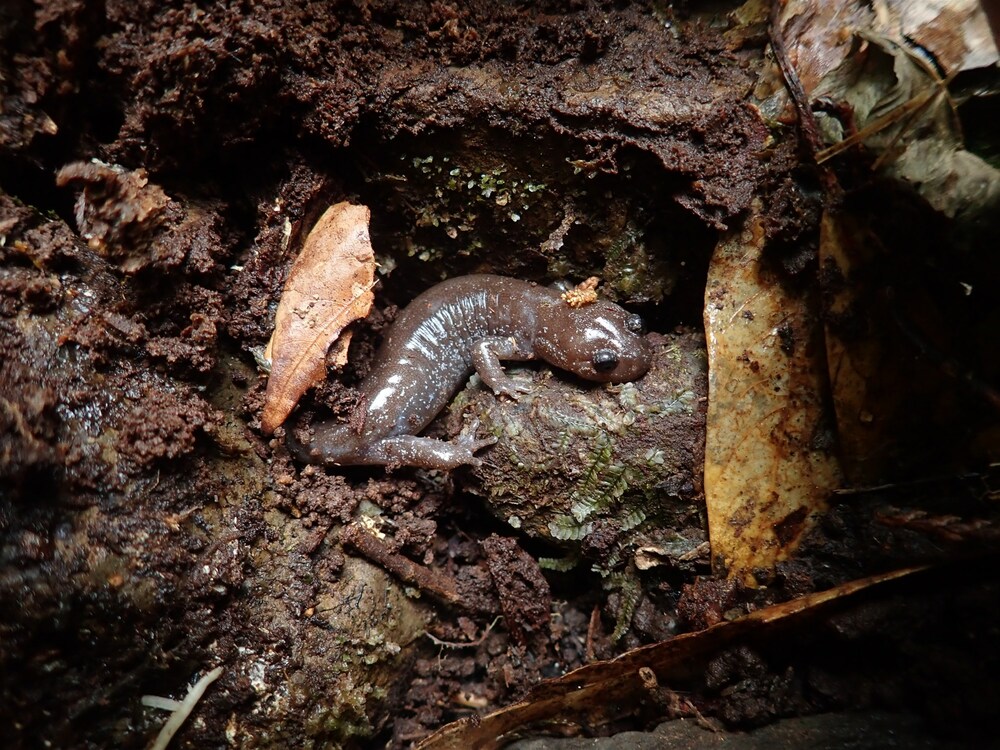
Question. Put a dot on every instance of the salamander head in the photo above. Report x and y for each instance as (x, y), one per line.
(599, 341)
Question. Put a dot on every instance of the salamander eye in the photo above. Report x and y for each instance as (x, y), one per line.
(605, 360)
(635, 324)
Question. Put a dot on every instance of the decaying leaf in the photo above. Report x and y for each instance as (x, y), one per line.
(769, 463)
(329, 286)
(900, 109)
(820, 35)
(957, 32)
(893, 316)
(599, 693)
(866, 396)
(868, 66)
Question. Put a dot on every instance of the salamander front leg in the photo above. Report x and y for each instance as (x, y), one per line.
(486, 356)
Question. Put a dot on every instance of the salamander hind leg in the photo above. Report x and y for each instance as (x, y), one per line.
(428, 453)
(338, 445)
(467, 439)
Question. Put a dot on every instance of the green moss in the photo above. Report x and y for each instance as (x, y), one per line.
(626, 582)
(622, 460)
(464, 200)
(562, 564)
(635, 271)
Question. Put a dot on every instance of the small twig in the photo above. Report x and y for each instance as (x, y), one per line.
(795, 89)
(908, 110)
(873, 488)
(442, 587)
(703, 721)
(556, 238)
(800, 100)
(952, 529)
(592, 627)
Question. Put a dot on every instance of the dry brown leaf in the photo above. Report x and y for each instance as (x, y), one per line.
(329, 286)
(886, 326)
(768, 470)
(956, 32)
(818, 34)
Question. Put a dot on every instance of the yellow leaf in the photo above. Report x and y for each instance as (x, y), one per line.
(769, 450)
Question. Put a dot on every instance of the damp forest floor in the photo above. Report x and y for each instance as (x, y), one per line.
(160, 166)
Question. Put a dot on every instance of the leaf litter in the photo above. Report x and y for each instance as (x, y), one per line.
(604, 691)
(878, 75)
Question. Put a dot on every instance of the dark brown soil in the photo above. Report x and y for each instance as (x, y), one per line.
(159, 166)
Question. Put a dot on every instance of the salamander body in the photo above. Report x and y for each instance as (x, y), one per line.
(462, 325)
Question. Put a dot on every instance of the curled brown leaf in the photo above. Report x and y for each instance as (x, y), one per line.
(329, 286)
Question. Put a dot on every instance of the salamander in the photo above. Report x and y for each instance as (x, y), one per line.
(466, 324)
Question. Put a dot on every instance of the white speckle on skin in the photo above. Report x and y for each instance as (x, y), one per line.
(381, 398)
(607, 325)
